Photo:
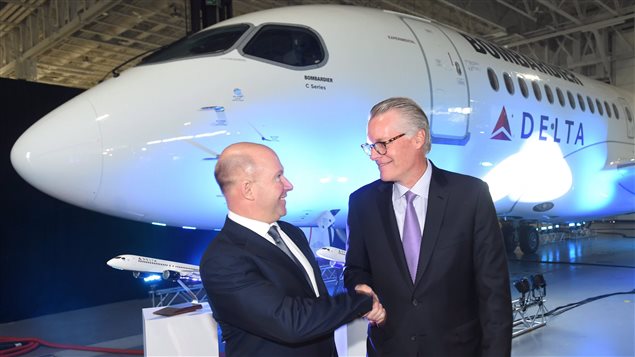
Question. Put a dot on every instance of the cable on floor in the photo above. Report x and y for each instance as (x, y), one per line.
(16, 346)
(564, 308)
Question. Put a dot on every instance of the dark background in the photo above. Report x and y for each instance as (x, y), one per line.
(53, 255)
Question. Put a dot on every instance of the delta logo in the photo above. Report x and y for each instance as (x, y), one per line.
(501, 130)
(560, 131)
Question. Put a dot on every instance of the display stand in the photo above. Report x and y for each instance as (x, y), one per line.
(189, 334)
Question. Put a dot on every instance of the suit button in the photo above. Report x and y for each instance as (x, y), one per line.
(415, 302)
(413, 338)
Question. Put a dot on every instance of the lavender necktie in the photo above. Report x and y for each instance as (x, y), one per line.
(411, 235)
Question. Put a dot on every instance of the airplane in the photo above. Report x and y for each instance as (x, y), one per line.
(169, 270)
(335, 256)
(553, 145)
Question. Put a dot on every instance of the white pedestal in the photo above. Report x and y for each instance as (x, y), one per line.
(190, 334)
(350, 339)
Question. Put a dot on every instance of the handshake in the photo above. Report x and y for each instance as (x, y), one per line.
(376, 316)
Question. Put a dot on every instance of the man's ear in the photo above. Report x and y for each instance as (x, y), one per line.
(420, 138)
(247, 190)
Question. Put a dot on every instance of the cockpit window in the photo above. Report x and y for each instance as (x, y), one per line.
(289, 45)
(213, 41)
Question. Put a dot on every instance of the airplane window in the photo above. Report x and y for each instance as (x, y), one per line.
(537, 92)
(608, 109)
(549, 94)
(571, 100)
(581, 102)
(213, 41)
(493, 79)
(523, 87)
(599, 106)
(590, 102)
(617, 114)
(508, 83)
(560, 96)
(290, 45)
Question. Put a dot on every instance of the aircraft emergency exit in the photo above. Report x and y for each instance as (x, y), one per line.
(552, 144)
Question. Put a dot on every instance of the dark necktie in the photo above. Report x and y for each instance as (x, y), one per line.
(273, 232)
(411, 236)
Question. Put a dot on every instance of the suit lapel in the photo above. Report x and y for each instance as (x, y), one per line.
(258, 246)
(302, 243)
(437, 202)
(391, 229)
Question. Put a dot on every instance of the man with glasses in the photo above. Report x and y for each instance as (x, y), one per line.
(428, 243)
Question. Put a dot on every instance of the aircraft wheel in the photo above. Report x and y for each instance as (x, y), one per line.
(529, 239)
(136, 274)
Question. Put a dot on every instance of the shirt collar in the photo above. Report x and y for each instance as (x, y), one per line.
(421, 187)
(262, 228)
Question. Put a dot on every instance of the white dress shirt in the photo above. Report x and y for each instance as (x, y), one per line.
(262, 229)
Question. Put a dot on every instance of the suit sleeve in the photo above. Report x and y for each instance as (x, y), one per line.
(244, 298)
(492, 279)
(357, 269)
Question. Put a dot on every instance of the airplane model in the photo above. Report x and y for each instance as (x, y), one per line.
(553, 145)
(335, 256)
(169, 270)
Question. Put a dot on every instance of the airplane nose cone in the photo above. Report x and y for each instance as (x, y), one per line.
(61, 153)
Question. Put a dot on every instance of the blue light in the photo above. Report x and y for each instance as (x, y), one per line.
(188, 227)
(572, 252)
(159, 224)
(151, 278)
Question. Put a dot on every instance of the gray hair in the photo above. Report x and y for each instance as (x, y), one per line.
(413, 117)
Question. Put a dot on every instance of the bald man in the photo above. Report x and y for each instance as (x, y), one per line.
(260, 274)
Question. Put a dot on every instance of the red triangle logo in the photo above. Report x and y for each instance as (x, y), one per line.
(501, 130)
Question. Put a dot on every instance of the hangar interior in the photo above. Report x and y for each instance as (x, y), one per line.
(51, 50)
(78, 43)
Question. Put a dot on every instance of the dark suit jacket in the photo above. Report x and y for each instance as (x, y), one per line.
(460, 303)
(262, 300)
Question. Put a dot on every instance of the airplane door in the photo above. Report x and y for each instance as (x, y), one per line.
(449, 95)
(628, 117)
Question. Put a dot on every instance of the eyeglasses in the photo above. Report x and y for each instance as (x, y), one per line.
(380, 146)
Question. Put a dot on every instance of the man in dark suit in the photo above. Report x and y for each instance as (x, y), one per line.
(260, 274)
(428, 243)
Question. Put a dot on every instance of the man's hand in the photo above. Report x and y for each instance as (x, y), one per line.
(376, 316)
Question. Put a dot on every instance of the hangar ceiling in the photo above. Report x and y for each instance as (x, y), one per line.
(77, 43)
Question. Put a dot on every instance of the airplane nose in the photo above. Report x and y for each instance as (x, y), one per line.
(61, 153)
(113, 263)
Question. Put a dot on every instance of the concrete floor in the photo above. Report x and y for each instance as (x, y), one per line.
(574, 270)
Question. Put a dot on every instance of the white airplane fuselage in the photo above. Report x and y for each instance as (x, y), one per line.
(139, 264)
(143, 145)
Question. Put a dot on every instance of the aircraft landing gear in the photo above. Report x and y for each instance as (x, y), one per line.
(509, 236)
(523, 234)
(529, 239)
